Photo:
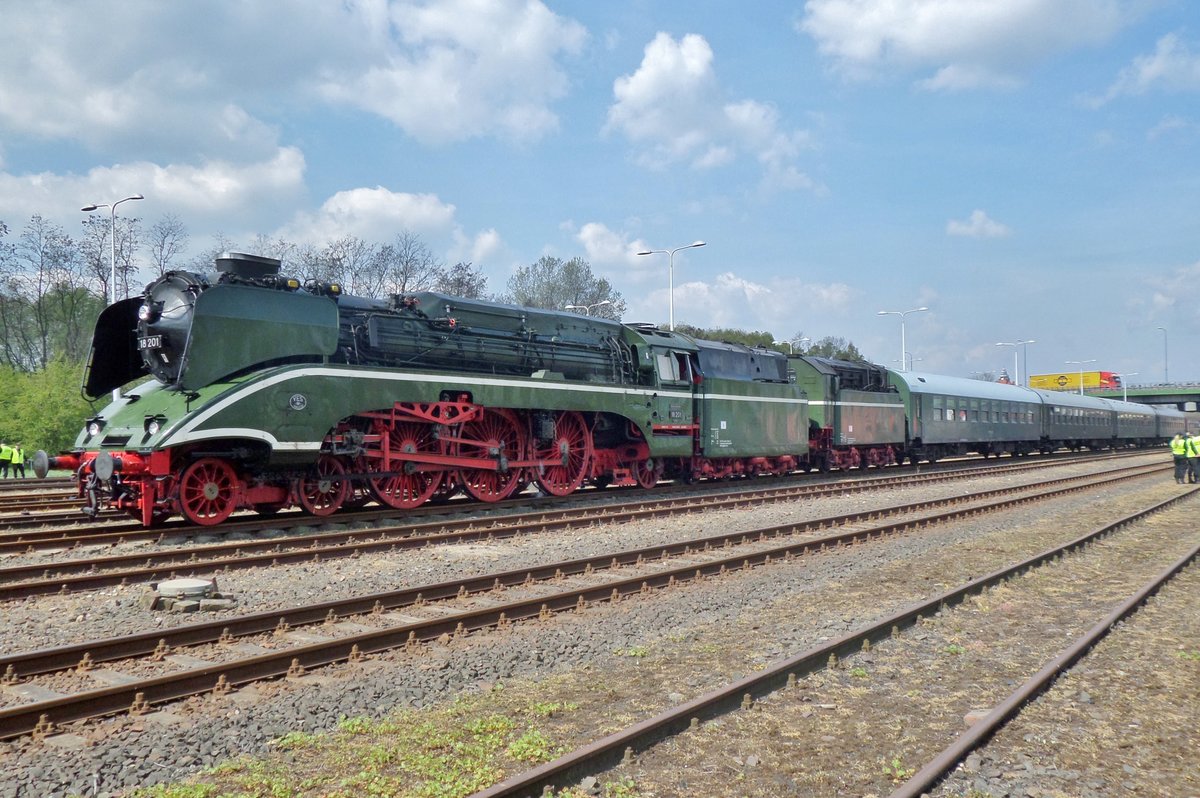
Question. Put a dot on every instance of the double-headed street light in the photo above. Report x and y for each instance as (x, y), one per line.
(792, 344)
(587, 309)
(1025, 351)
(901, 314)
(1081, 364)
(112, 231)
(670, 253)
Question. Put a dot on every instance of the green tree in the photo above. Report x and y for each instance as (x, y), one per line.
(836, 348)
(43, 409)
(554, 283)
(728, 335)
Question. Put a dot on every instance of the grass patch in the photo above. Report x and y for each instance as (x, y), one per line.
(433, 753)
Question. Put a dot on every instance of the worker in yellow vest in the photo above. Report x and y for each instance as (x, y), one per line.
(18, 461)
(1193, 455)
(1179, 455)
(5, 459)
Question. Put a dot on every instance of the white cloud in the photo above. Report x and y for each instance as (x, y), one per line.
(959, 77)
(213, 190)
(481, 250)
(375, 214)
(968, 44)
(1169, 125)
(608, 249)
(674, 109)
(457, 69)
(978, 225)
(487, 245)
(781, 305)
(144, 77)
(1169, 291)
(1172, 67)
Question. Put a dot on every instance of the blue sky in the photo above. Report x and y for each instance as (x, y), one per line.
(1027, 169)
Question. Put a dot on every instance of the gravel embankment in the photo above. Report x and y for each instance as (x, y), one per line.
(866, 726)
(822, 596)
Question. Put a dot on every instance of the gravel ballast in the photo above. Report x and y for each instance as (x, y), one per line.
(826, 595)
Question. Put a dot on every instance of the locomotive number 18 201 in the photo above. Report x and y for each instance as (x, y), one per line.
(150, 342)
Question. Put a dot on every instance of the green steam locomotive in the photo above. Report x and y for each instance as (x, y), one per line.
(265, 394)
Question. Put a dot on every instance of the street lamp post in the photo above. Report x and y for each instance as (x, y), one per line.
(587, 309)
(670, 253)
(901, 314)
(1125, 386)
(112, 225)
(792, 344)
(1081, 364)
(1166, 374)
(1025, 351)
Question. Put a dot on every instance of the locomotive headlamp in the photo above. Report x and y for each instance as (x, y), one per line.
(292, 283)
(152, 424)
(94, 426)
(335, 289)
(150, 311)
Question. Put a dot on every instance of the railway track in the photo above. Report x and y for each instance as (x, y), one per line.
(40, 521)
(41, 497)
(92, 572)
(19, 535)
(624, 745)
(152, 668)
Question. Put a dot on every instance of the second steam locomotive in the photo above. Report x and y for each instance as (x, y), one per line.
(265, 394)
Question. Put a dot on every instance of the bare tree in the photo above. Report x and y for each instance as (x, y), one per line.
(94, 249)
(555, 283)
(465, 280)
(280, 248)
(129, 241)
(407, 265)
(355, 265)
(45, 309)
(167, 239)
(204, 261)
